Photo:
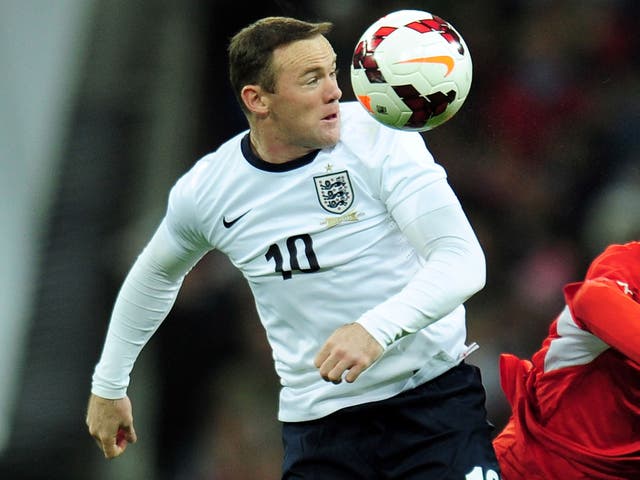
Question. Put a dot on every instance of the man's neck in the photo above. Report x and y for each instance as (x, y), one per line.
(274, 151)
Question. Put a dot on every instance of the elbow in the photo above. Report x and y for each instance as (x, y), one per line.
(465, 261)
(476, 282)
(478, 272)
(481, 282)
(467, 272)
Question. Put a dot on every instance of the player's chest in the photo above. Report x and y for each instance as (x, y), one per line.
(324, 208)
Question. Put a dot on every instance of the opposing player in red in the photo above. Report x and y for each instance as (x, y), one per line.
(576, 404)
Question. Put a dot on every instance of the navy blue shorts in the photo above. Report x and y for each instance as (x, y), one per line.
(437, 431)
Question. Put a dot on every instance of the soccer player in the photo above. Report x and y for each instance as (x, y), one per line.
(359, 257)
(576, 404)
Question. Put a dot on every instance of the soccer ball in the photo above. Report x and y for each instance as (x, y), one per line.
(411, 70)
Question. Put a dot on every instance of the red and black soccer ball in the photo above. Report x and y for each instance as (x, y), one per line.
(411, 70)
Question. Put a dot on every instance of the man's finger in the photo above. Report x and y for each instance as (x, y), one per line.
(131, 436)
(335, 374)
(121, 438)
(327, 367)
(126, 435)
(353, 373)
(322, 356)
(110, 448)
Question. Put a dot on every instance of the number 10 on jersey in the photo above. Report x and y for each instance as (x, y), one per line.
(303, 241)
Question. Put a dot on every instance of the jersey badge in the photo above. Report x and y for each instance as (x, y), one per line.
(335, 192)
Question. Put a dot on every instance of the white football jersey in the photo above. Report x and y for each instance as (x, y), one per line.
(319, 241)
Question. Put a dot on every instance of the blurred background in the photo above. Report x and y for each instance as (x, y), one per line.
(105, 103)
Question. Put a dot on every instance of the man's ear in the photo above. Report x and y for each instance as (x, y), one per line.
(254, 100)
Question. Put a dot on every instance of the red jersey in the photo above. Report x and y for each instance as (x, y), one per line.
(576, 404)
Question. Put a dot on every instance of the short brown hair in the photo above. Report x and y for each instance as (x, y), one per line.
(251, 50)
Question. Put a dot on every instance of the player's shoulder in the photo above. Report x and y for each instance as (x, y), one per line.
(357, 123)
(367, 137)
(201, 182)
(211, 165)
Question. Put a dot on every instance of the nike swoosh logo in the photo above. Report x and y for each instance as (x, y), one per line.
(231, 223)
(445, 60)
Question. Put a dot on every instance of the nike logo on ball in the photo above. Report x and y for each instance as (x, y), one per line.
(231, 223)
(445, 60)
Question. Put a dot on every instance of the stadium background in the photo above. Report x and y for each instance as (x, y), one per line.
(104, 103)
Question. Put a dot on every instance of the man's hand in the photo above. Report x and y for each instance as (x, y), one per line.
(349, 349)
(110, 422)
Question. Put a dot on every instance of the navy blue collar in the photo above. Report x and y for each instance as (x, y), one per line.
(257, 162)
